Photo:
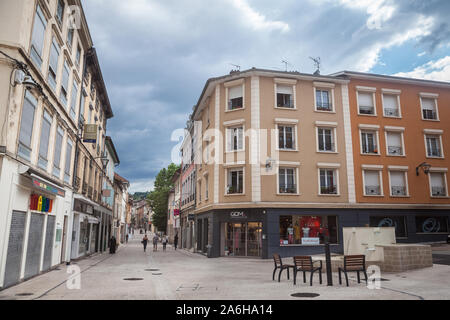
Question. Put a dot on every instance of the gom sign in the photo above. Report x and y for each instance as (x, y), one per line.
(238, 215)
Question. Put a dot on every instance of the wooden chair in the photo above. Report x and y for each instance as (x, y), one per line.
(356, 263)
(279, 265)
(305, 264)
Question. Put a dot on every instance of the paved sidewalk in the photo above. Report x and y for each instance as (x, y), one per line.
(183, 275)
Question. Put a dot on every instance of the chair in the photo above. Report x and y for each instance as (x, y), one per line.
(356, 263)
(305, 264)
(279, 265)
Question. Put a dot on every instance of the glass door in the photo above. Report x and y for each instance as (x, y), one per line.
(254, 231)
(243, 239)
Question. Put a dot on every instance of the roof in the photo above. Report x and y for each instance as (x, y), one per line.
(121, 179)
(92, 61)
(176, 175)
(382, 77)
(112, 150)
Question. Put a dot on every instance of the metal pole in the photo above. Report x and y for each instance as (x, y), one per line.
(328, 263)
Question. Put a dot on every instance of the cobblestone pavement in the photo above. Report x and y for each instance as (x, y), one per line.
(184, 275)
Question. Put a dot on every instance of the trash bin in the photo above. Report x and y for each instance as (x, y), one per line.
(209, 250)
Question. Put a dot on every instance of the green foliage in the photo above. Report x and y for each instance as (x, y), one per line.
(158, 198)
(140, 195)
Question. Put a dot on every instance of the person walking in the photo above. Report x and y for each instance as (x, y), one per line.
(175, 241)
(112, 245)
(126, 238)
(144, 242)
(164, 242)
(155, 242)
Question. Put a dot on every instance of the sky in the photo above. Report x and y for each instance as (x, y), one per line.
(156, 55)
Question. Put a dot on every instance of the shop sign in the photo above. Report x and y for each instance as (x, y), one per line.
(90, 133)
(176, 212)
(311, 241)
(238, 215)
(42, 185)
(41, 203)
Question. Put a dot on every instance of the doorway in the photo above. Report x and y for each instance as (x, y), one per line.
(243, 239)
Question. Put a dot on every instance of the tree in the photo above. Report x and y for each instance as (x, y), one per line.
(157, 199)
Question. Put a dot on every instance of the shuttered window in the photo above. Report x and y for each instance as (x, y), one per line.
(365, 101)
(26, 125)
(438, 188)
(372, 182)
(43, 144)
(37, 40)
(68, 161)
(65, 84)
(73, 99)
(53, 65)
(285, 96)
(398, 183)
(235, 98)
(57, 154)
(429, 108)
(394, 143)
(390, 104)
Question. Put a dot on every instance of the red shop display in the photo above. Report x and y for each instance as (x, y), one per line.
(41, 203)
(313, 223)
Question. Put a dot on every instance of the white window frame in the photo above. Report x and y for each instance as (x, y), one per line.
(335, 170)
(439, 134)
(229, 85)
(367, 90)
(397, 170)
(227, 171)
(391, 92)
(334, 140)
(376, 130)
(229, 143)
(294, 136)
(296, 177)
(325, 87)
(433, 96)
(380, 180)
(402, 138)
(287, 83)
(444, 172)
(49, 120)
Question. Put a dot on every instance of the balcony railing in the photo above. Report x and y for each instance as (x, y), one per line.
(395, 151)
(398, 190)
(372, 149)
(373, 190)
(234, 190)
(288, 188)
(366, 110)
(438, 192)
(391, 112)
(328, 190)
(429, 114)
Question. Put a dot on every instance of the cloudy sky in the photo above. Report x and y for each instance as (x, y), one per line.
(156, 55)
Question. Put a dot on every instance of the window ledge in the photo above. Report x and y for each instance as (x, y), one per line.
(327, 152)
(396, 156)
(234, 195)
(374, 195)
(438, 197)
(288, 150)
(288, 194)
(281, 108)
(434, 120)
(235, 151)
(239, 109)
(371, 154)
(428, 157)
(324, 111)
(407, 196)
(392, 117)
(367, 115)
(329, 195)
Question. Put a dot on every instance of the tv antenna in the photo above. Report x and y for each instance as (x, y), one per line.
(286, 63)
(317, 64)
(238, 67)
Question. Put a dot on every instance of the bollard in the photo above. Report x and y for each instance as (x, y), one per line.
(328, 264)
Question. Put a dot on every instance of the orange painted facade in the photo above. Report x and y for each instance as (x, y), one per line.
(411, 121)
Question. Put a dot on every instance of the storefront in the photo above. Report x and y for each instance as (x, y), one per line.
(86, 227)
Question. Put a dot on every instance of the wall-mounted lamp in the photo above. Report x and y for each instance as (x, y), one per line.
(425, 166)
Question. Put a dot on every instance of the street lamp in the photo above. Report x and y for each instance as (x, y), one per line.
(425, 166)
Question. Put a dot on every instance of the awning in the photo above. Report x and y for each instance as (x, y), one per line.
(93, 220)
(88, 201)
(42, 183)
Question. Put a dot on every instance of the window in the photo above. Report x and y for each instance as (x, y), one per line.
(398, 183)
(74, 99)
(235, 181)
(60, 12)
(78, 56)
(200, 191)
(328, 182)
(70, 37)
(391, 106)
(68, 161)
(427, 224)
(429, 110)
(308, 230)
(286, 138)
(399, 222)
(26, 125)
(285, 96)
(326, 139)
(394, 142)
(57, 156)
(37, 40)
(369, 142)
(235, 139)
(53, 64)
(365, 103)
(206, 187)
(433, 143)
(64, 84)
(286, 179)
(372, 185)
(438, 184)
(235, 98)
(45, 136)
(323, 101)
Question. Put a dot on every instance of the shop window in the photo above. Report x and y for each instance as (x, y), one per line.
(307, 230)
(431, 224)
(398, 222)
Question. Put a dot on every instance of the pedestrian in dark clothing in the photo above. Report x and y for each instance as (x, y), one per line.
(126, 238)
(175, 241)
(112, 245)
(144, 242)
(155, 242)
(164, 242)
